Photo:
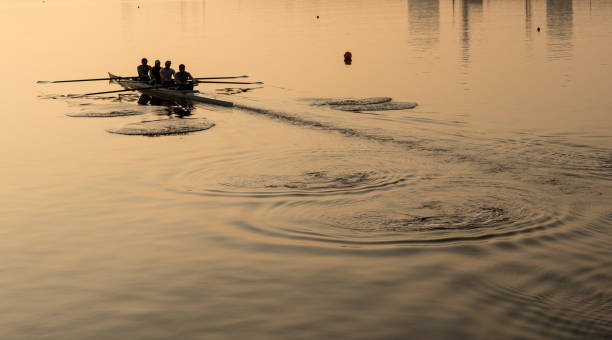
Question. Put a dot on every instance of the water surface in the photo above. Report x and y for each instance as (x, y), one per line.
(483, 212)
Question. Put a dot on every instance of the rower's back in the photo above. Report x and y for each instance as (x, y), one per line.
(166, 74)
(155, 72)
(182, 77)
(143, 70)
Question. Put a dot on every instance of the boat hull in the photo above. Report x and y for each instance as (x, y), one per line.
(168, 94)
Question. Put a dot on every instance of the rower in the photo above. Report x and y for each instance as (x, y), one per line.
(182, 77)
(166, 74)
(155, 72)
(143, 70)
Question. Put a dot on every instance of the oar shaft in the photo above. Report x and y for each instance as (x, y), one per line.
(117, 91)
(230, 82)
(245, 76)
(78, 80)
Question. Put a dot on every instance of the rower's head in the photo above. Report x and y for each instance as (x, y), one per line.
(181, 67)
(168, 63)
(157, 62)
(144, 61)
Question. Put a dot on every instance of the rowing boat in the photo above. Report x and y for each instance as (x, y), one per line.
(168, 93)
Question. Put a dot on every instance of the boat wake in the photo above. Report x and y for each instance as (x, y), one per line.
(400, 190)
(346, 101)
(361, 104)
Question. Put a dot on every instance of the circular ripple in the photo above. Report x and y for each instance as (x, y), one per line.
(348, 101)
(377, 107)
(281, 174)
(164, 127)
(437, 212)
(309, 183)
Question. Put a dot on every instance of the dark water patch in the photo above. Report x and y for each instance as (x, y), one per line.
(236, 90)
(347, 101)
(479, 217)
(129, 97)
(52, 96)
(180, 111)
(80, 99)
(86, 100)
(376, 107)
(94, 109)
(109, 114)
(164, 127)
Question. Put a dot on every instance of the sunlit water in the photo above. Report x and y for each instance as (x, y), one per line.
(483, 212)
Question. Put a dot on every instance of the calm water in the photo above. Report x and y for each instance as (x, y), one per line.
(485, 212)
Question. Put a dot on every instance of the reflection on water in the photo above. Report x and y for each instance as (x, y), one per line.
(559, 21)
(471, 11)
(424, 22)
(528, 15)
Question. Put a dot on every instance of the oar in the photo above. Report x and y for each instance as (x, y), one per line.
(97, 79)
(116, 91)
(77, 80)
(245, 76)
(230, 82)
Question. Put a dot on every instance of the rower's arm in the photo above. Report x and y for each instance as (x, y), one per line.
(189, 76)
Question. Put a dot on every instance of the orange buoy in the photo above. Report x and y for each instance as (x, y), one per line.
(348, 55)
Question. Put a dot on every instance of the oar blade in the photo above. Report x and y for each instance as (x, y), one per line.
(43, 82)
(75, 95)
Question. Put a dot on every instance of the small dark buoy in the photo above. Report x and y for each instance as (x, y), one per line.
(538, 29)
(348, 58)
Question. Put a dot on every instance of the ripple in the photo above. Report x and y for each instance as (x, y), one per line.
(348, 101)
(311, 183)
(108, 114)
(444, 212)
(551, 304)
(564, 158)
(376, 107)
(164, 127)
